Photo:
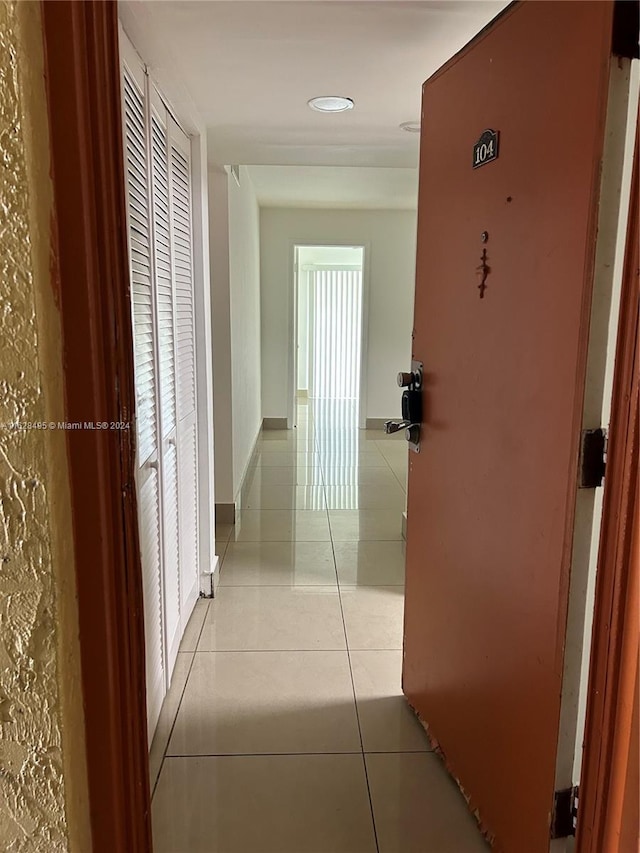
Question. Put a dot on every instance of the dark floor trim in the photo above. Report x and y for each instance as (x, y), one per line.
(225, 513)
(274, 423)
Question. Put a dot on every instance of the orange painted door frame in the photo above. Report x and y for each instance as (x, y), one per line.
(89, 248)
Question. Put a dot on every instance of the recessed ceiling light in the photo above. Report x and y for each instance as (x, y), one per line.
(410, 126)
(331, 104)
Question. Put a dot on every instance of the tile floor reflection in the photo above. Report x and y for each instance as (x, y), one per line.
(285, 729)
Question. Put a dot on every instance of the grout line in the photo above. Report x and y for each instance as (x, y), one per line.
(313, 541)
(226, 546)
(403, 486)
(308, 585)
(284, 651)
(258, 754)
(286, 508)
(297, 754)
(327, 584)
(182, 692)
(224, 551)
(334, 651)
(355, 700)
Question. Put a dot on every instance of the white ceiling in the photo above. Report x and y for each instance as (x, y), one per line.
(248, 68)
(335, 186)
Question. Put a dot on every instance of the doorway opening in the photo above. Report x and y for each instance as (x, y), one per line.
(330, 300)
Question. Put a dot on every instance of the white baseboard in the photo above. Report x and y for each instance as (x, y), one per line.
(216, 576)
(248, 470)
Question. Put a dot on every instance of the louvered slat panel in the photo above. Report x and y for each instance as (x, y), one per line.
(152, 595)
(141, 281)
(142, 298)
(183, 273)
(188, 512)
(164, 284)
(171, 552)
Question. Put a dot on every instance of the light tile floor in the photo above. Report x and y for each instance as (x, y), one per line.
(285, 729)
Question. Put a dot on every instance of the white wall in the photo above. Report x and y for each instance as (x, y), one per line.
(235, 281)
(220, 308)
(204, 373)
(303, 328)
(244, 276)
(389, 237)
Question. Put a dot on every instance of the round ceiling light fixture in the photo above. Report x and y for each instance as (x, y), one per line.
(410, 126)
(331, 104)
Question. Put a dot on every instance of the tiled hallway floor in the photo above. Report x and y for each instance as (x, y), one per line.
(285, 730)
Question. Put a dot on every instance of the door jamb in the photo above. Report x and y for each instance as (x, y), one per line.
(609, 699)
(89, 248)
(610, 246)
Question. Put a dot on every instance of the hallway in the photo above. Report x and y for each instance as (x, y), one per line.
(285, 730)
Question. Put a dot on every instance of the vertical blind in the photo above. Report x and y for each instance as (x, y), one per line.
(336, 296)
(336, 345)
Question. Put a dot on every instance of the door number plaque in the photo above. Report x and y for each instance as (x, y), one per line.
(486, 148)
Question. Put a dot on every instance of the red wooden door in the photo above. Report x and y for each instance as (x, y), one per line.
(492, 492)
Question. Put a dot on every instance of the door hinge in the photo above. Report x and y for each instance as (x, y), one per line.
(593, 458)
(626, 23)
(565, 813)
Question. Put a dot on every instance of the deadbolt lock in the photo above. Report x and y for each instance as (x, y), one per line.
(412, 379)
(411, 406)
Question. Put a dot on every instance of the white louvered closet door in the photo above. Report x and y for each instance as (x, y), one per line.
(166, 360)
(144, 334)
(182, 243)
(159, 217)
